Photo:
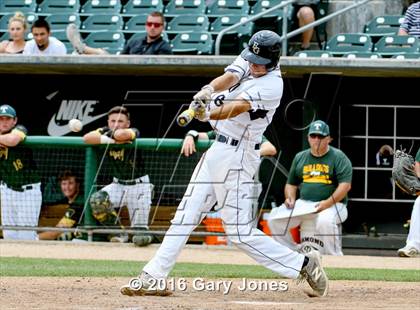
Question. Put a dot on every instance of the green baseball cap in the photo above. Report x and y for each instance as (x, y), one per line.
(7, 110)
(319, 127)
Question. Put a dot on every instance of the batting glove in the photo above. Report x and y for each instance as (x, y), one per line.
(202, 115)
(204, 95)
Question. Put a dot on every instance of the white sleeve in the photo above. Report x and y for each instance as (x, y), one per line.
(239, 67)
(62, 50)
(265, 94)
(27, 50)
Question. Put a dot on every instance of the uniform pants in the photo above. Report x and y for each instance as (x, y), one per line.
(321, 231)
(20, 209)
(224, 175)
(137, 198)
(413, 238)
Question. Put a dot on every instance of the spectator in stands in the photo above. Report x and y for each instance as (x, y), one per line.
(130, 186)
(411, 24)
(17, 28)
(412, 247)
(323, 175)
(70, 188)
(20, 183)
(304, 11)
(151, 44)
(43, 43)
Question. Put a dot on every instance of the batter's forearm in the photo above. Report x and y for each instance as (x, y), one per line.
(229, 110)
(417, 168)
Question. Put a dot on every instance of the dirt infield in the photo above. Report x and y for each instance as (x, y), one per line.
(103, 293)
(190, 254)
(100, 293)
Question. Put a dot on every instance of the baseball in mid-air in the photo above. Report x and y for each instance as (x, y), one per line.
(75, 125)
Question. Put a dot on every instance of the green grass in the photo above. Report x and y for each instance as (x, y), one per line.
(37, 267)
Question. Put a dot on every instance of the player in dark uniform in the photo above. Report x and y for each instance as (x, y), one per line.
(20, 189)
(130, 186)
(70, 187)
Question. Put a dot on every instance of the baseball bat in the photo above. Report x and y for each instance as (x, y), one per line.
(185, 117)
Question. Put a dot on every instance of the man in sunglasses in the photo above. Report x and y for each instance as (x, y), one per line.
(323, 175)
(151, 44)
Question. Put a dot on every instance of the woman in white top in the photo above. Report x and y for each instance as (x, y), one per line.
(17, 29)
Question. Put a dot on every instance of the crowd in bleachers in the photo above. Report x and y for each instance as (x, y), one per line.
(191, 26)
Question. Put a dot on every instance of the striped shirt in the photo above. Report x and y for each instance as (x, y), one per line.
(411, 23)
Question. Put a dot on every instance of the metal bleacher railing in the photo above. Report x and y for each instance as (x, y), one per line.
(286, 35)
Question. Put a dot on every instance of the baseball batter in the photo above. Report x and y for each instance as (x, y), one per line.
(324, 175)
(412, 247)
(243, 102)
(20, 187)
(130, 187)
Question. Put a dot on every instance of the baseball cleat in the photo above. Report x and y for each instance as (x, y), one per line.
(408, 251)
(314, 274)
(145, 285)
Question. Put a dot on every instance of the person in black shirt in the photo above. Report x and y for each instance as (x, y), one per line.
(130, 186)
(70, 188)
(151, 44)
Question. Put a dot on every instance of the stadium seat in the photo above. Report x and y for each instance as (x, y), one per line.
(101, 7)
(12, 6)
(60, 21)
(320, 31)
(370, 55)
(58, 6)
(138, 7)
(313, 53)
(4, 36)
(185, 7)
(4, 20)
(349, 42)
(235, 40)
(383, 25)
(228, 7)
(192, 43)
(264, 5)
(395, 44)
(112, 41)
(407, 56)
(136, 23)
(103, 22)
(188, 23)
(271, 21)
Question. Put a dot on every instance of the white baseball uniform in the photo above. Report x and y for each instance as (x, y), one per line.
(224, 175)
(413, 239)
(137, 197)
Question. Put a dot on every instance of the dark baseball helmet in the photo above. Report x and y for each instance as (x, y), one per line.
(100, 205)
(263, 49)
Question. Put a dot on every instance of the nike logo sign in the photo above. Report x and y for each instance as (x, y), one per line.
(60, 130)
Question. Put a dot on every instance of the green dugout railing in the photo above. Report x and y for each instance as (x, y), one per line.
(90, 156)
